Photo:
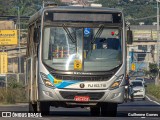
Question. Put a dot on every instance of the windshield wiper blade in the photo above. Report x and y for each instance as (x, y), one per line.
(68, 33)
(98, 34)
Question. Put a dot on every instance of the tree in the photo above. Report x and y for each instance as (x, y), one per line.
(58, 2)
(133, 10)
(153, 69)
(109, 3)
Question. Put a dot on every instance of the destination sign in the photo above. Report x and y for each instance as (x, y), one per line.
(82, 17)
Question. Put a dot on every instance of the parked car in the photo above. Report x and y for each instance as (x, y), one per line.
(137, 89)
(141, 79)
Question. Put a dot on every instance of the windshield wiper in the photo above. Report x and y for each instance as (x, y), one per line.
(98, 34)
(68, 33)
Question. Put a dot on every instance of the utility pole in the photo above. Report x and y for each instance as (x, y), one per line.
(157, 79)
(19, 37)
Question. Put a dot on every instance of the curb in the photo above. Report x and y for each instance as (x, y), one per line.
(16, 104)
(153, 99)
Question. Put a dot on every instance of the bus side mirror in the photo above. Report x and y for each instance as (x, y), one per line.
(129, 37)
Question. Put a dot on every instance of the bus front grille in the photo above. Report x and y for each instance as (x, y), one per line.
(83, 78)
(71, 95)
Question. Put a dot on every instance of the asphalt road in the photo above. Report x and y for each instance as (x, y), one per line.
(132, 109)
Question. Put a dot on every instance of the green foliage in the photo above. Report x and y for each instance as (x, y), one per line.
(134, 10)
(13, 94)
(26, 7)
(2, 95)
(153, 90)
(146, 72)
(10, 96)
(153, 69)
(109, 3)
(14, 85)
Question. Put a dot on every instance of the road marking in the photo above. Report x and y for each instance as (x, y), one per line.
(88, 108)
(152, 100)
(143, 117)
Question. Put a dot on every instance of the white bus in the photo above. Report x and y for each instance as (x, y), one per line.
(76, 57)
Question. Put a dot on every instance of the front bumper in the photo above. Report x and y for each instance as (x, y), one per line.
(49, 94)
(140, 94)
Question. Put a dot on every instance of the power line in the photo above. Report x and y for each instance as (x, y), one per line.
(133, 19)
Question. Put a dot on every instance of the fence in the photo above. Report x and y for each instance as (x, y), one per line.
(13, 88)
(12, 77)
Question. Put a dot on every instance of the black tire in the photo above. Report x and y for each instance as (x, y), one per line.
(144, 98)
(95, 111)
(132, 99)
(44, 108)
(109, 109)
(32, 108)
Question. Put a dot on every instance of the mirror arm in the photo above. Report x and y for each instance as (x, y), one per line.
(128, 25)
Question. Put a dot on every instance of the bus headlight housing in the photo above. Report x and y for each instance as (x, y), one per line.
(46, 80)
(117, 82)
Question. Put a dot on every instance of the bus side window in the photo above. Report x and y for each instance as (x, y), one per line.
(35, 37)
(30, 41)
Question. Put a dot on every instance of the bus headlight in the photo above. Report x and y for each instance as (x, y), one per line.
(117, 82)
(46, 80)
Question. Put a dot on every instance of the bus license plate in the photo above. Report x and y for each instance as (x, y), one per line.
(82, 98)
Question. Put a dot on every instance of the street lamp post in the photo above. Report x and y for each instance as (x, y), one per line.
(128, 55)
(19, 28)
(157, 80)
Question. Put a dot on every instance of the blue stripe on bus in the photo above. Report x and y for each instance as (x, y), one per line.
(51, 78)
(63, 84)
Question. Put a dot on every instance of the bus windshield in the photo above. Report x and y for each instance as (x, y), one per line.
(95, 49)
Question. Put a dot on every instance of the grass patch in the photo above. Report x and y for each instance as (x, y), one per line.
(153, 90)
(15, 93)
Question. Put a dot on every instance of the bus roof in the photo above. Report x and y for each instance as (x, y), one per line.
(73, 8)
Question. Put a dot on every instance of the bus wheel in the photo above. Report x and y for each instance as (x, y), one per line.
(32, 107)
(95, 111)
(109, 109)
(43, 108)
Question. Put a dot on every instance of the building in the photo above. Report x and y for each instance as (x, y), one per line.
(79, 2)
